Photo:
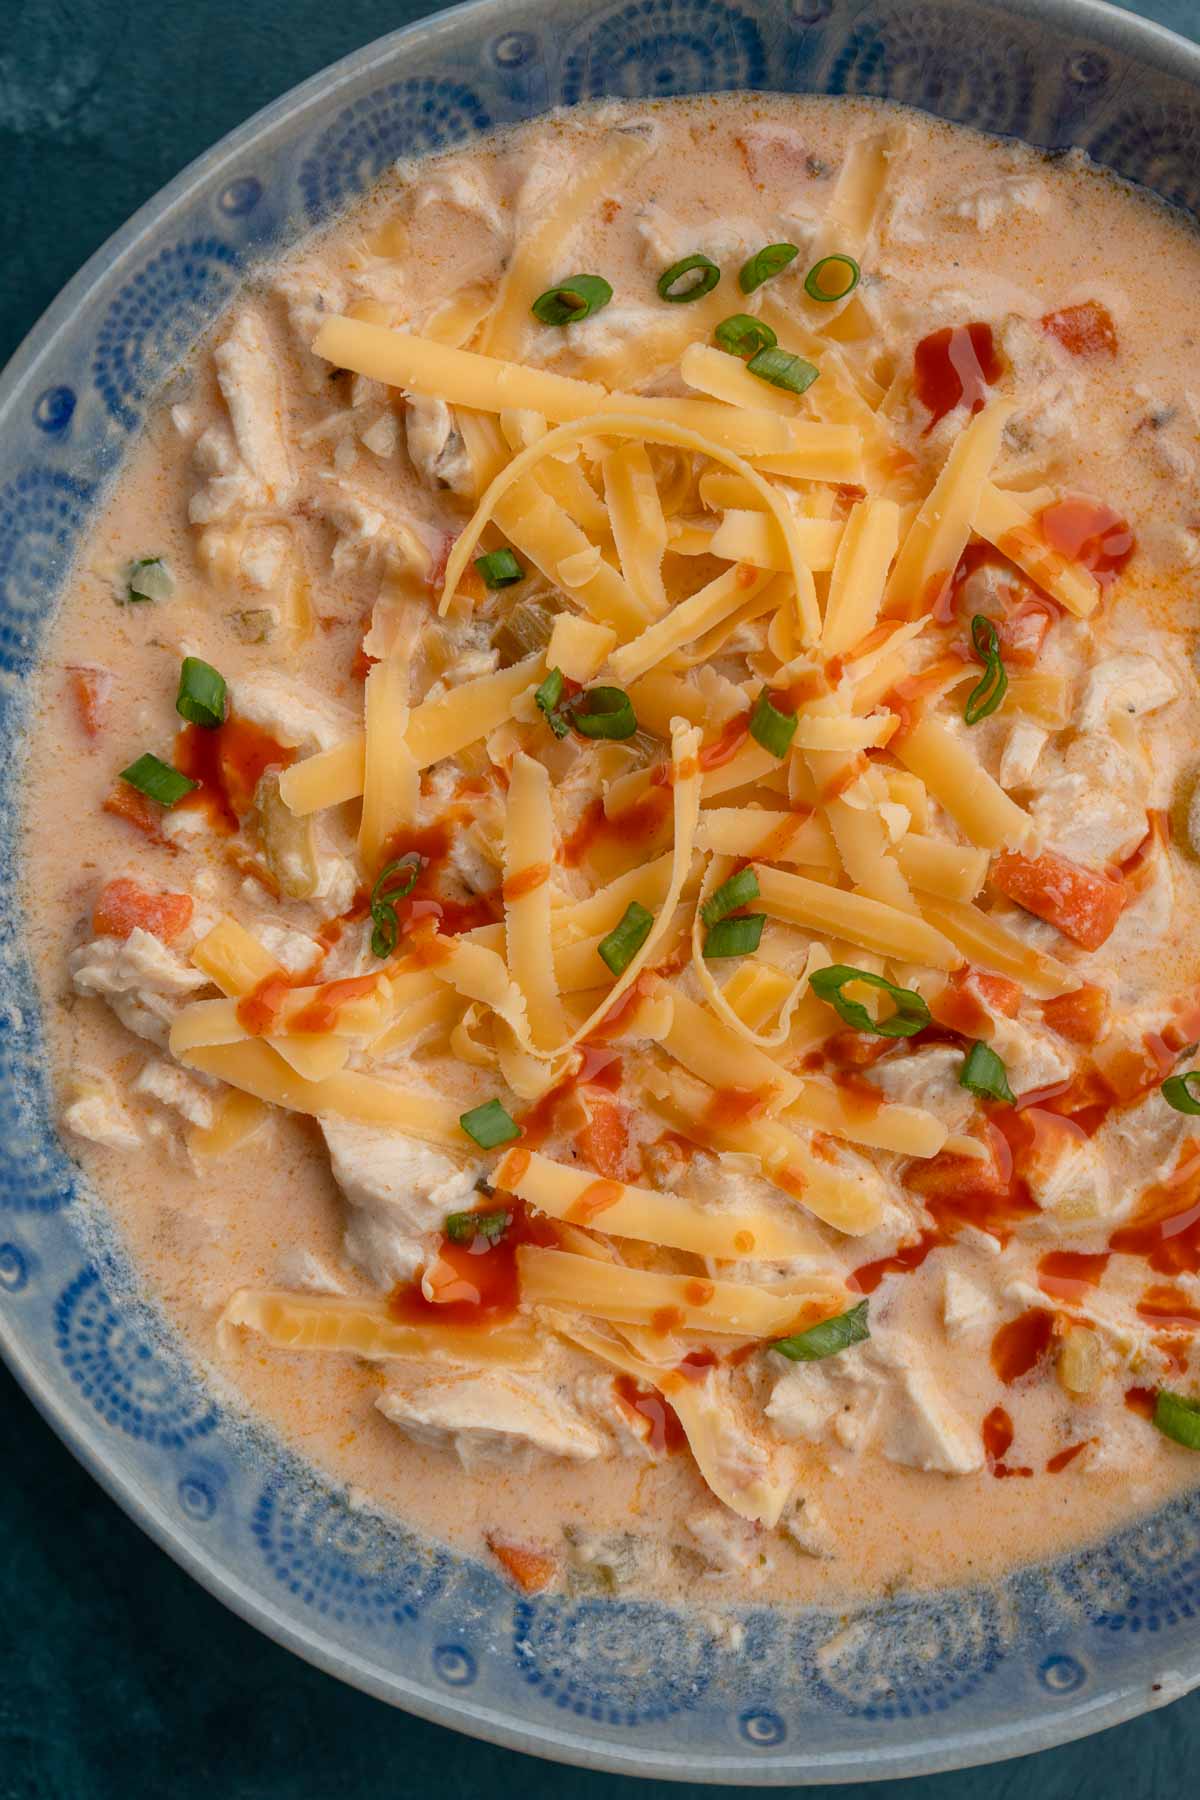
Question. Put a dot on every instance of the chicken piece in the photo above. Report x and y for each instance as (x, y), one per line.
(966, 1309)
(927, 1078)
(295, 715)
(435, 445)
(177, 1090)
(488, 1417)
(1129, 683)
(921, 1431)
(399, 1192)
(1091, 801)
(144, 981)
(729, 1545)
(250, 386)
(97, 1114)
(1019, 757)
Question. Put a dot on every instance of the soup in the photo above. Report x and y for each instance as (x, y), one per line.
(622, 947)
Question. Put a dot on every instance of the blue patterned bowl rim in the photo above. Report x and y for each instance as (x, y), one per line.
(919, 1683)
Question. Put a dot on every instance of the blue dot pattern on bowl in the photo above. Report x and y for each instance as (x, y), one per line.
(347, 1564)
(400, 120)
(657, 48)
(41, 513)
(766, 1689)
(156, 318)
(131, 1380)
(624, 1662)
(920, 55)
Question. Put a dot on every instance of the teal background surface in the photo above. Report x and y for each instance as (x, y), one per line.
(118, 1675)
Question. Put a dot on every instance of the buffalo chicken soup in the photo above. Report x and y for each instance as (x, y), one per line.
(610, 858)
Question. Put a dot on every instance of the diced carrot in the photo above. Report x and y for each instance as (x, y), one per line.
(122, 906)
(1084, 904)
(1084, 330)
(90, 689)
(1001, 994)
(532, 1570)
(128, 803)
(1078, 1016)
(603, 1143)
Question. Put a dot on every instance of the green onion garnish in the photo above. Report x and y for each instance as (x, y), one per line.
(827, 1338)
(626, 938)
(911, 1014)
(201, 696)
(739, 890)
(465, 1227)
(489, 1125)
(578, 297)
(499, 568)
(148, 579)
(832, 278)
(1178, 1416)
(984, 1073)
(1177, 1091)
(772, 259)
(773, 729)
(743, 336)
(783, 369)
(395, 881)
(706, 279)
(734, 937)
(547, 697)
(604, 712)
(151, 776)
(990, 690)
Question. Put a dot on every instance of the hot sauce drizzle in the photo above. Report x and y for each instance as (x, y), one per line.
(955, 367)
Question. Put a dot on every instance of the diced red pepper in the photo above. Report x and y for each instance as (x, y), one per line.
(90, 689)
(532, 1570)
(130, 804)
(603, 1142)
(122, 906)
(1084, 330)
(1078, 1016)
(1084, 904)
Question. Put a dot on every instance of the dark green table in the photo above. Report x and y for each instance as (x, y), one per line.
(118, 1675)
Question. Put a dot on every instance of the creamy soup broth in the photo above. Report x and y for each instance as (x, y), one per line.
(1022, 1320)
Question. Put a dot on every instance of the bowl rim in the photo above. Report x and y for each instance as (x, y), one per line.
(1144, 40)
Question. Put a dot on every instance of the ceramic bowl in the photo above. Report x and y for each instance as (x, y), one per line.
(916, 1682)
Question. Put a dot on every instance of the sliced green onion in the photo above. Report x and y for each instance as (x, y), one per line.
(783, 369)
(990, 690)
(499, 568)
(773, 729)
(706, 279)
(201, 696)
(827, 1338)
(578, 297)
(984, 1073)
(489, 1125)
(743, 336)
(1178, 1091)
(734, 937)
(1178, 1416)
(465, 1227)
(739, 890)
(148, 579)
(832, 278)
(772, 259)
(911, 1014)
(626, 938)
(604, 712)
(547, 697)
(151, 776)
(395, 881)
